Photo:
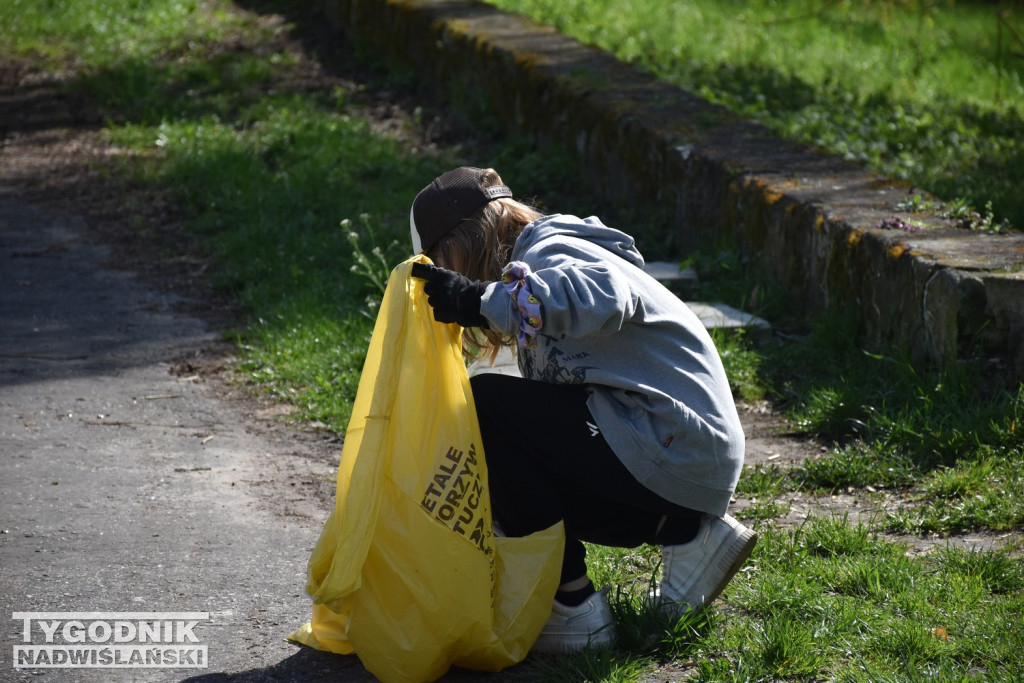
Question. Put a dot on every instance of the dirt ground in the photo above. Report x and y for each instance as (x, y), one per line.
(140, 472)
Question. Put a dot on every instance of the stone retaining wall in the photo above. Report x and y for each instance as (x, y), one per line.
(810, 218)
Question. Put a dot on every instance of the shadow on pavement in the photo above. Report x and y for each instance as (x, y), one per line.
(59, 317)
(312, 666)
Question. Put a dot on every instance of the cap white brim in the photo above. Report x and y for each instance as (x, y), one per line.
(417, 245)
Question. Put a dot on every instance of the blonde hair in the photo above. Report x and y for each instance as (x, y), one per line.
(480, 247)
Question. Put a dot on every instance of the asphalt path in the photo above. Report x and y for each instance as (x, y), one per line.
(134, 481)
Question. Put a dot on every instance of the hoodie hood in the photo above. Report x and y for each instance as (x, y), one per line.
(589, 229)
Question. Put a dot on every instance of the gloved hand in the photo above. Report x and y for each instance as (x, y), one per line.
(454, 297)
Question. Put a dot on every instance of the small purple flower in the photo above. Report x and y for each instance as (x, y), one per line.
(897, 223)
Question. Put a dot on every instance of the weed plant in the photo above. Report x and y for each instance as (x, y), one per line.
(929, 91)
(303, 208)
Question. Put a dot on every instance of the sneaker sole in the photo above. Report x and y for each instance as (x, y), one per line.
(728, 560)
(563, 645)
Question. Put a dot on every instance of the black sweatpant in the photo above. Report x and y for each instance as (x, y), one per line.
(547, 461)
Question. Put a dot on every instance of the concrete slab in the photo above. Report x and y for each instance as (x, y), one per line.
(721, 316)
(668, 271)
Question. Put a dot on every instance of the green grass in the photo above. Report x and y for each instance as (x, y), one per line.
(948, 441)
(828, 600)
(83, 35)
(270, 189)
(302, 206)
(927, 91)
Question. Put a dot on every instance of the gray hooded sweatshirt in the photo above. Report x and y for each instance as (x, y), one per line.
(658, 391)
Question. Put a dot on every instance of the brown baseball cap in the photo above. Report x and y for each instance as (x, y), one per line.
(443, 204)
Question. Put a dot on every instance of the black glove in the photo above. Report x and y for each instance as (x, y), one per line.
(454, 297)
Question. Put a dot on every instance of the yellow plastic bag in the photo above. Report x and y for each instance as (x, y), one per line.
(407, 573)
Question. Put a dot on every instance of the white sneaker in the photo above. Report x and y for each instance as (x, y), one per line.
(570, 629)
(694, 573)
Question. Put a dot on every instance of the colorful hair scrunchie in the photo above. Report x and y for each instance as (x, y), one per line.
(513, 277)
